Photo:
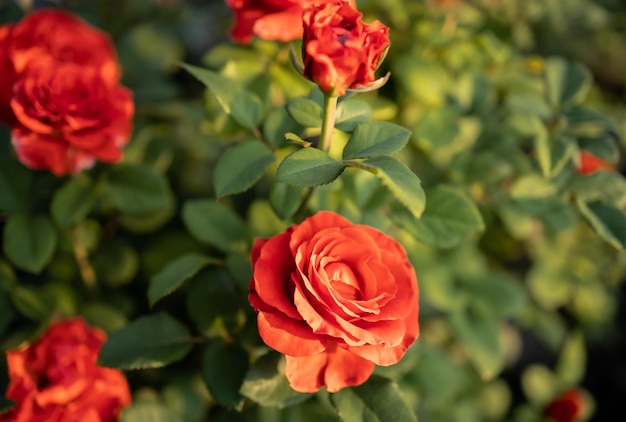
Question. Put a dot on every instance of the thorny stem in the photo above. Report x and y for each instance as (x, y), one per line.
(87, 272)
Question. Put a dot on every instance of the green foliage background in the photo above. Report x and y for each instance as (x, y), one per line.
(519, 257)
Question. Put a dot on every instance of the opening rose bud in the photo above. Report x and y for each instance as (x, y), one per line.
(567, 407)
(336, 298)
(590, 163)
(339, 50)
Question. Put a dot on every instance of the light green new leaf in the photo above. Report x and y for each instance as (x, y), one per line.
(376, 138)
(567, 84)
(306, 112)
(552, 153)
(351, 113)
(242, 105)
(174, 274)
(241, 167)
(73, 201)
(224, 366)
(572, 362)
(29, 241)
(478, 332)
(609, 222)
(137, 189)
(378, 400)
(148, 412)
(151, 341)
(404, 185)
(213, 223)
(308, 167)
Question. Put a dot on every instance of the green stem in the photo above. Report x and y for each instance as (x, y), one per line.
(328, 122)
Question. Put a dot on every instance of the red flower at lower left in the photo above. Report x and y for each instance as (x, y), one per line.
(55, 379)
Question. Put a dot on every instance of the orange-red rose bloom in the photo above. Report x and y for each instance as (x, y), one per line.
(590, 163)
(67, 117)
(56, 379)
(279, 20)
(339, 50)
(60, 93)
(335, 298)
(568, 407)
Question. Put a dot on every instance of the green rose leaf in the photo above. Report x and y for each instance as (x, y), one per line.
(404, 185)
(606, 186)
(174, 274)
(213, 223)
(552, 153)
(149, 342)
(351, 113)
(29, 241)
(74, 200)
(308, 167)
(376, 138)
(242, 105)
(149, 412)
(567, 83)
(137, 189)
(241, 167)
(438, 127)
(224, 366)
(215, 302)
(265, 385)
(285, 199)
(277, 124)
(609, 222)
(449, 218)
(499, 292)
(306, 112)
(378, 400)
(572, 362)
(35, 304)
(478, 332)
(15, 185)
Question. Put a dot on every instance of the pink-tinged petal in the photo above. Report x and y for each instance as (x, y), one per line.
(288, 336)
(335, 369)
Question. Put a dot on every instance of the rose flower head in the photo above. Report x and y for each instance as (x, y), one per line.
(55, 379)
(339, 50)
(336, 298)
(590, 163)
(567, 407)
(67, 117)
(279, 20)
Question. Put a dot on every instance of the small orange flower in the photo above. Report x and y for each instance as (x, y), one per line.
(56, 379)
(590, 163)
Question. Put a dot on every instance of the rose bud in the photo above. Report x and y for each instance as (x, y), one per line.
(567, 407)
(590, 163)
(56, 378)
(336, 298)
(339, 50)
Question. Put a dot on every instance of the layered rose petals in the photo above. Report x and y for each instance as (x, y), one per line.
(339, 50)
(60, 93)
(336, 298)
(56, 378)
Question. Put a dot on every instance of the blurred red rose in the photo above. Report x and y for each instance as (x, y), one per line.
(67, 117)
(339, 50)
(590, 163)
(8, 76)
(279, 20)
(56, 379)
(567, 407)
(336, 298)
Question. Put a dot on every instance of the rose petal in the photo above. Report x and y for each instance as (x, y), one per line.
(335, 369)
(288, 336)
